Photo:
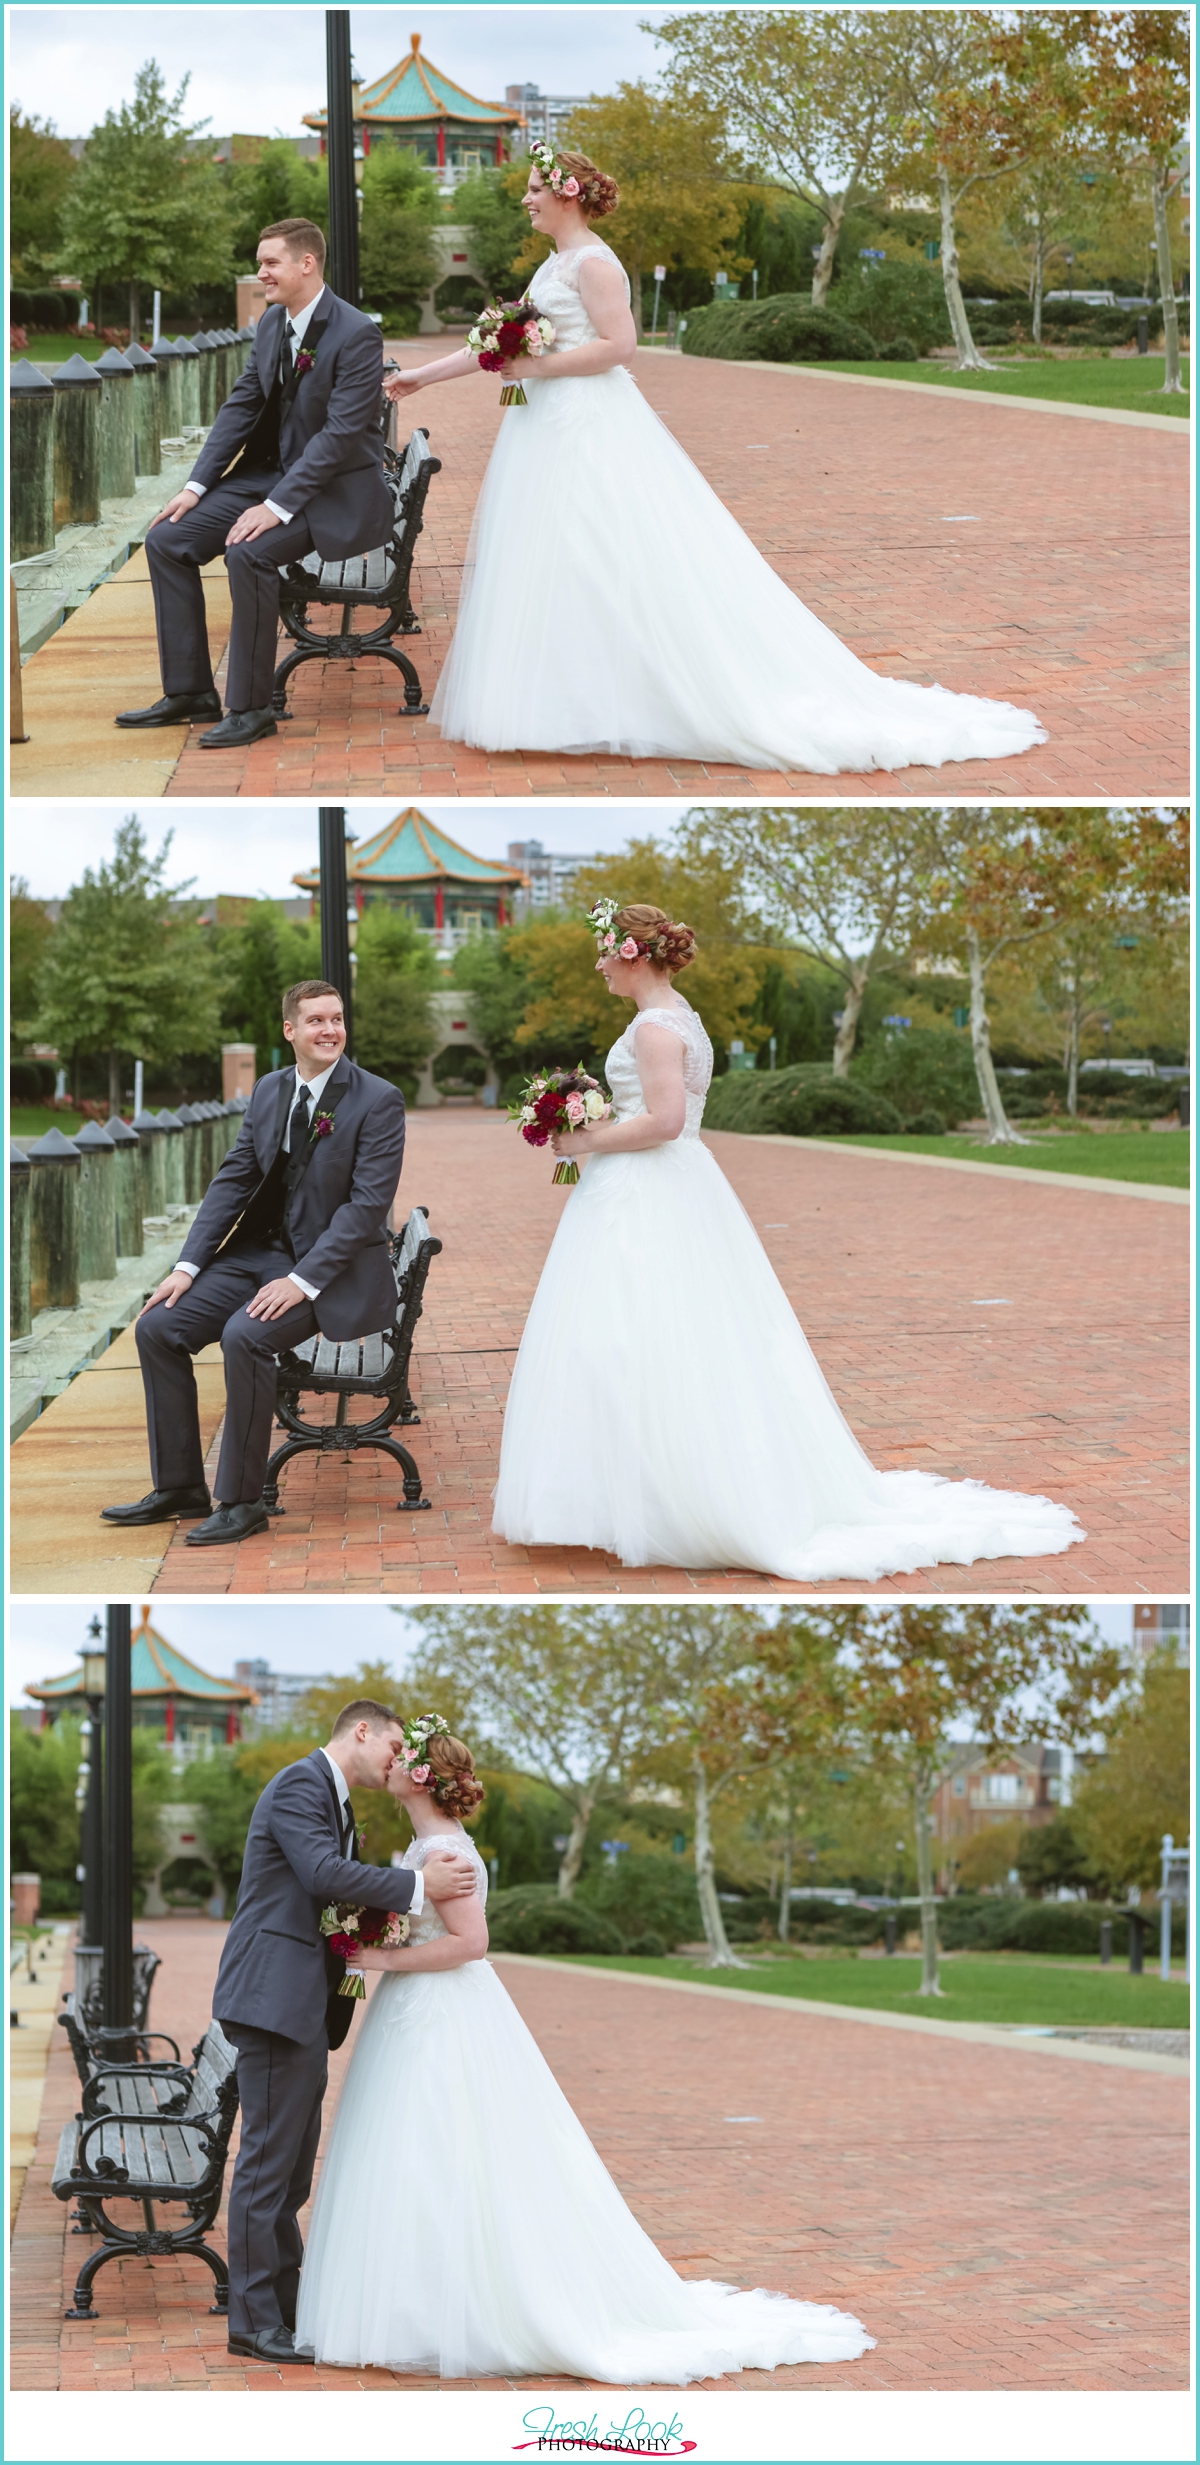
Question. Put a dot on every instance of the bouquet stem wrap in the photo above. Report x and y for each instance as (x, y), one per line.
(354, 1985)
(566, 1169)
(513, 397)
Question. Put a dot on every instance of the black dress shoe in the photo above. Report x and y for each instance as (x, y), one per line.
(240, 727)
(231, 1523)
(160, 1506)
(272, 2345)
(172, 710)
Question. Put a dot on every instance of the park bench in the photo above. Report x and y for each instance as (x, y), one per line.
(88, 1999)
(380, 580)
(85, 2046)
(158, 2136)
(374, 1366)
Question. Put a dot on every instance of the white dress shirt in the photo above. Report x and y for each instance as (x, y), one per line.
(316, 1088)
(417, 1903)
(297, 326)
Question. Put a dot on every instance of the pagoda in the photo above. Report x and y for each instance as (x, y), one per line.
(414, 865)
(171, 1694)
(416, 107)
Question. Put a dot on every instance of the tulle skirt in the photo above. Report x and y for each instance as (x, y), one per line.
(611, 604)
(464, 2223)
(666, 1406)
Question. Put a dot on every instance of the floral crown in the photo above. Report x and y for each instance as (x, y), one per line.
(417, 1734)
(563, 182)
(601, 921)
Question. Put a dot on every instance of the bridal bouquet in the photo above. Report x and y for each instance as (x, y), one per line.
(349, 1929)
(559, 1100)
(510, 330)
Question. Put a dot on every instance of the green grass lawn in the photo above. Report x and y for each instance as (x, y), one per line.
(64, 346)
(1004, 1987)
(1162, 1157)
(33, 1121)
(1106, 384)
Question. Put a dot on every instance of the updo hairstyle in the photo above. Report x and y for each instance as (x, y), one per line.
(598, 195)
(452, 1784)
(665, 944)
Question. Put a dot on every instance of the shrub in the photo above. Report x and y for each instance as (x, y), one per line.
(53, 310)
(787, 327)
(831, 1921)
(532, 1918)
(30, 1082)
(20, 307)
(896, 304)
(926, 1124)
(923, 1069)
(645, 1894)
(648, 1946)
(827, 1107)
(901, 346)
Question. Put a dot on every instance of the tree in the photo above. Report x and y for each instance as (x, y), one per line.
(397, 970)
(278, 184)
(488, 205)
(799, 1698)
(44, 1818)
(147, 206)
(989, 896)
(1139, 67)
(847, 885)
(700, 887)
(257, 957)
(1128, 1797)
(919, 1675)
(398, 257)
(811, 95)
(565, 1694)
(41, 168)
(1051, 1856)
(1117, 877)
(681, 200)
(129, 969)
(29, 934)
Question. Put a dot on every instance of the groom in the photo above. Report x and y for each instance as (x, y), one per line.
(291, 1237)
(292, 462)
(276, 1999)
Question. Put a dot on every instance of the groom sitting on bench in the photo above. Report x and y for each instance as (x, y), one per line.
(291, 1237)
(292, 462)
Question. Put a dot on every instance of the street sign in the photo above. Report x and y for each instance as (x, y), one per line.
(660, 273)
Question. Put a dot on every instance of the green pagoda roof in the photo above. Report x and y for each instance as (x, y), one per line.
(414, 849)
(156, 1669)
(415, 91)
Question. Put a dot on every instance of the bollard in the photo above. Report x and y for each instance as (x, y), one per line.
(151, 1140)
(1105, 1942)
(1137, 1941)
(97, 1204)
(20, 1176)
(127, 1187)
(54, 1224)
(206, 372)
(118, 463)
(233, 1112)
(31, 461)
(889, 1933)
(172, 397)
(78, 394)
(1143, 336)
(245, 342)
(209, 1160)
(230, 370)
(173, 1158)
(220, 367)
(147, 411)
(189, 360)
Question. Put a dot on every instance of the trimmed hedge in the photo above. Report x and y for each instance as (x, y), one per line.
(644, 1893)
(803, 1102)
(532, 1918)
(921, 1070)
(787, 327)
(968, 1923)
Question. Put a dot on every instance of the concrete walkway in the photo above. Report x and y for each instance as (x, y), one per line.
(32, 2004)
(1076, 1388)
(996, 2220)
(987, 549)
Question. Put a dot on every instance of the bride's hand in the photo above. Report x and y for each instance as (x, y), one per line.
(399, 383)
(372, 1956)
(566, 1142)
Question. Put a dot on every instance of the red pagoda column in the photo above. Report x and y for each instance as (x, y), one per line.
(231, 1728)
(170, 1720)
(441, 145)
(439, 907)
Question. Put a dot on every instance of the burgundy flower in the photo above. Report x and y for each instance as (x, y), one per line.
(304, 361)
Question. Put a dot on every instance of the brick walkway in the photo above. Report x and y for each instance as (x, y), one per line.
(1078, 1390)
(997, 2220)
(1068, 593)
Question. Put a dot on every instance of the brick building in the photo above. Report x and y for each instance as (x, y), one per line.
(974, 1793)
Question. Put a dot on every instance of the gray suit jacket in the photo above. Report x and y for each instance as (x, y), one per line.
(274, 1973)
(337, 1217)
(330, 445)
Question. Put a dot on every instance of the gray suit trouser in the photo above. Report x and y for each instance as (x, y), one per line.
(280, 2088)
(214, 1310)
(175, 552)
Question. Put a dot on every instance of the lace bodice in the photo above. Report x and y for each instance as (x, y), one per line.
(555, 291)
(428, 1925)
(621, 1068)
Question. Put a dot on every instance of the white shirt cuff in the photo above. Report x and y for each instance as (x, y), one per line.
(183, 1266)
(417, 1903)
(309, 1291)
(195, 487)
(273, 508)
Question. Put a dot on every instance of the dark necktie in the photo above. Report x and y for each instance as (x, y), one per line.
(348, 1829)
(298, 1134)
(289, 352)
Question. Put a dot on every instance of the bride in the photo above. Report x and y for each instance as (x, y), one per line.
(464, 2223)
(664, 1403)
(610, 602)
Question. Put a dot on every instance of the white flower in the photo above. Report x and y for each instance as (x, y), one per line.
(528, 1113)
(594, 1104)
(474, 339)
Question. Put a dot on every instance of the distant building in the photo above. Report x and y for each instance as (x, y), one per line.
(1159, 1624)
(549, 879)
(418, 107)
(279, 1693)
(192, 1711)
(974, 1793)
(545, 115)
(414, 865)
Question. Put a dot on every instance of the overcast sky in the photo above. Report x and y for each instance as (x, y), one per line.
(309, 1638)
(258, 70)
(255, 849)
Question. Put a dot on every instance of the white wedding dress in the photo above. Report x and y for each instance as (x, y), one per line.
(611, 604)
(665, 1404)
(464, 2223)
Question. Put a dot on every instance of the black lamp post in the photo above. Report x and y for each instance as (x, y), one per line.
(335, 922)
(92, 1843)
(117, 1887)
(341, 273)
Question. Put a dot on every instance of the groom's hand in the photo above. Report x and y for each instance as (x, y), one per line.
(449, 1878)
(252, 524)
(275, 1299)
(171, 1290)
(185, 503)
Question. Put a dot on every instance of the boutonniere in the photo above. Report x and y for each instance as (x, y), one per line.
(361, 1838)
(322, 1127)
(304, 360)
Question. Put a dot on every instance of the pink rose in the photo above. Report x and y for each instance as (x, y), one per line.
(575, 1110)
(570, 188)
(533, 342)
(419, 1772)
(609, 942)
(628, 949)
